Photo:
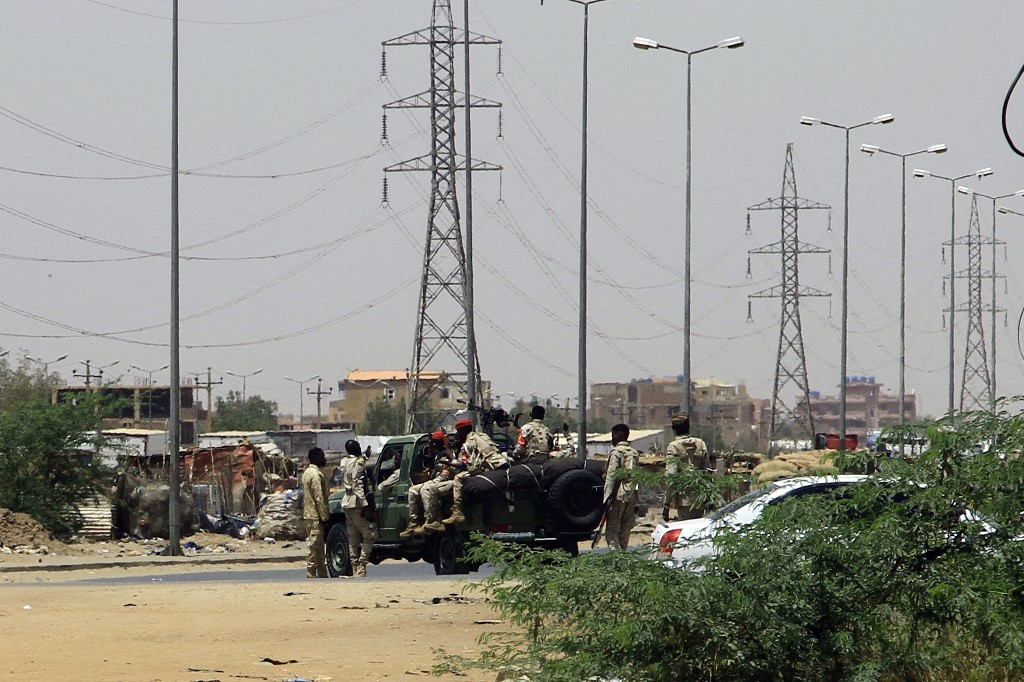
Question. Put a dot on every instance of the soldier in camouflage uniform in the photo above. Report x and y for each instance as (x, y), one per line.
(315, 512)
(684, 451)
(360, 508)
(534, 443)
(440, 455)
(622, 495)
(477, 454)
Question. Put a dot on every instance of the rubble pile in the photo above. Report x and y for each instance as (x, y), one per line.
(21, 534)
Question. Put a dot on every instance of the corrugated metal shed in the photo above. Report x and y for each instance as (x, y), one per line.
(98, 519)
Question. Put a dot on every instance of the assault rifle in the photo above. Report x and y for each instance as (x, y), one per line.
(605, 506)
(491, 416)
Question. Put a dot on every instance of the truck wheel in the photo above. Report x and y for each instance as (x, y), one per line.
(575, 500)
(338, 561)
(449, 554)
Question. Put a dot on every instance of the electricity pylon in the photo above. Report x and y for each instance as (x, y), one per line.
(976, 383)
(441, 341)
(790, 362)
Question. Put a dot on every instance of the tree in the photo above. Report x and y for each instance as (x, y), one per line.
(913, 575)
(384, 418)
(46, 462)
(251, 414)
(22, 382)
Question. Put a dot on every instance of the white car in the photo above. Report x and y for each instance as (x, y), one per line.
(682, 542)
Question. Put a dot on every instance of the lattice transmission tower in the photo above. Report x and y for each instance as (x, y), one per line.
(975, 383)
(442, 339)
(790, 362)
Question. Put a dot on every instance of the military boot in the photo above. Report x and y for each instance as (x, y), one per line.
(359, 570)
(411, 530)
(456, 516)
(433, 527)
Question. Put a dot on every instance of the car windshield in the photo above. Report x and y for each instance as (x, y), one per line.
(741, 501)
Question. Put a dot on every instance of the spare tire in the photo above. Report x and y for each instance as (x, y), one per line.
(575, 500)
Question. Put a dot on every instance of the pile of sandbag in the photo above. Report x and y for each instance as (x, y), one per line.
(280, 517)
(790, 464)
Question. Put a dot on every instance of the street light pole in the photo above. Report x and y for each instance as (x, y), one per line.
(648, 44)
(981, 173)
(871, 150)
(843, 334)
(149, 393)
(46, 363)
(300, 383)
(244, 377)
(1020, 192)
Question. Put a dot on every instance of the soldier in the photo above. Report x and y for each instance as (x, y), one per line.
(621, 494)
(396, 474)
(477, 453)
(684, 451)
(440, 455)
(360, 508)
(534, 443)
(315, 512)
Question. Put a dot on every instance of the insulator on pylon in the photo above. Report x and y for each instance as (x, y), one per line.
(943, 255)
(1006, 290)
(500, 59)
(501, 184)
(1004, 253)
(830, 263)
(384, 64)
(1005, 319)
(501, 124)
(830, 308)
(943, 286)
(748, 223)
(943, 321)
(384, 128)
(748, 272)
(750, 314)
(384, 194)
(829, 228)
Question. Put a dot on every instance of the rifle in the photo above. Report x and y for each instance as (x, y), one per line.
(596, 538)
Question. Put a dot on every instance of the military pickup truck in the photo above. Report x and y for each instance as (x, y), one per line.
(556, 506)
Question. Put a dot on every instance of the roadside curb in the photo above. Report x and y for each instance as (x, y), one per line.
(152, 561)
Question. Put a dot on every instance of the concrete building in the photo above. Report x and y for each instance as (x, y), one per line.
(361, 387)
(146, 407)
(867, 408)
(721, 412)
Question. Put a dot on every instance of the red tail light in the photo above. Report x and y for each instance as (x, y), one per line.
(668, 541)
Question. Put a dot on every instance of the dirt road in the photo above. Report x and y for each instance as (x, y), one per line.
(351, 629)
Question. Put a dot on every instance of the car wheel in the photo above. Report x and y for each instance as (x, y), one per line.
(575, 500)
(339, 563)
(449, 554)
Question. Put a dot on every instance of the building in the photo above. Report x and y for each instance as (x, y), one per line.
(361, 387)
(145, 407)
(867, 408)
(724, 414)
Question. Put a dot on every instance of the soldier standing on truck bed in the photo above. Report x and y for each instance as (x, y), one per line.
(438, 457)
(315, 512)
(477, 454)
(534, 443)
(360, 508)
(687, 451)
(621, 495)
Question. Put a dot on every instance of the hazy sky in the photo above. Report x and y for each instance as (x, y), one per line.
(306, 273)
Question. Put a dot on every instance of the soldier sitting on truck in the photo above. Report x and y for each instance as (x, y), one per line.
(439, 454)
(535, 441)
(477, 453)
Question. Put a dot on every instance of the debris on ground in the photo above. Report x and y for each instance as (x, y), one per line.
(21, 534)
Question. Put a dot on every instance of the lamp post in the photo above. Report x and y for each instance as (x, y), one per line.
(149, 372)
(871, 150)
(300, 382)
(46, 363)
(648, 44)
(877, 120)
(244, 377)
(981, 173)
(1020, 192)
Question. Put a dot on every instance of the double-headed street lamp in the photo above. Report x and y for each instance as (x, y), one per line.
(877, 120)
(969, 191)
(46, 363)
(648, 44)
(300, 382)
(244, 377)
(149, 372)
(980, 173)
(871, 150)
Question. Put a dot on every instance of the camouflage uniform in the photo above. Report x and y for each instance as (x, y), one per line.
(315, 512)
(479, 454)
(362, 531)
(534, 444)
(691, 452)
(622, 510)
(418, 494)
